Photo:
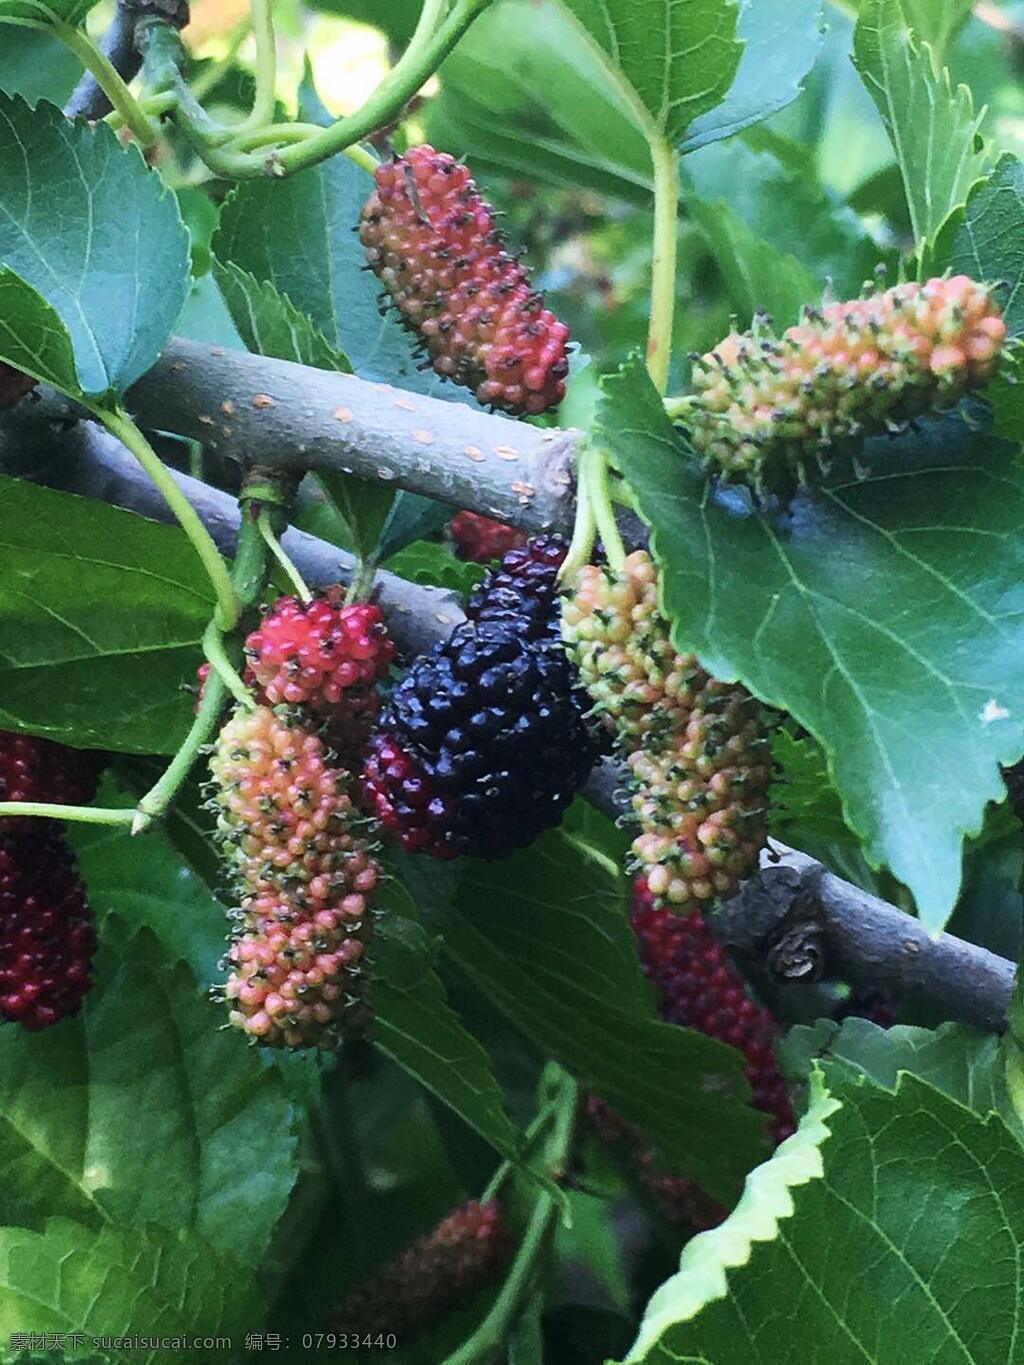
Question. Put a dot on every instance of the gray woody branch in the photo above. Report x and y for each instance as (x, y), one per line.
(796, 920)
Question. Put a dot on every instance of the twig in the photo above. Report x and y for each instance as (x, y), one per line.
(87, 99)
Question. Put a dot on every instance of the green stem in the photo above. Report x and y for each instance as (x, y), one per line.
(86, 815)
(117, 421)
(266, 66)
(216, 654)
(418, 63)
(249, 576)
(109, 79)
(277, 133)
(540, 1122)
(281, 555)
(487, 1341)
(584, 530)
(604, 514)
(663, 266)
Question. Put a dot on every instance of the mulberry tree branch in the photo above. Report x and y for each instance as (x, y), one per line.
(797, 919)
(87, 99)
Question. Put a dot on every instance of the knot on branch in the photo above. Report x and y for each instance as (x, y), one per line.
(777, 919)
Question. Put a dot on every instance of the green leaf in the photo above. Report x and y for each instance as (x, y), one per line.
(526, 94)
(936, 22)
(38, 66)
(781, 40)
(987, 242)
(933, 129)
(120, 1281)
(889, 1228)
(270, 324)
(434, 565)
(297, 234)
(118, 292)
(545, 937)
(101, 613)
(32, 336)
(771, 184)
(146, 1080)
(419, 1030)
(71, 11)
(673, 60)
(844, 616)
(756, 273)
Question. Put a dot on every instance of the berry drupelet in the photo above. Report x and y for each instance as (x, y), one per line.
(432, 241)
(34, 769)
(765, 407)
(481, 539)
(304, 876)
(436, 1275)
(484, 742)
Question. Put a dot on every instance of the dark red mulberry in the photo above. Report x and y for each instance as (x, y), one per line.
(482, 539)
(47, 937)
(14, 385)
(432, 242)
(34, 769)
(437, 1274)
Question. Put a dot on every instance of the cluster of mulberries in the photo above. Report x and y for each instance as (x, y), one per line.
(481, 539)
(432, 242)
(697, 749)
(436, 1275)
(765, 406)
(304, 876)
(484, 742)
(700, 989)
(47, 938)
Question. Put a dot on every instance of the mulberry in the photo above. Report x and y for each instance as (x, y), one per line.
(431, 240)
(483, 744)
(764, 407)
(305, 876)
(34, 769)
(436, 1275)
(482, 539)
(47, 938)
(697, 748)
(14, 385)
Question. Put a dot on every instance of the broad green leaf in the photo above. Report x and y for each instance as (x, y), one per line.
(32, 336)
(270, 324)
(298, 235)
(397, 18)
(987, 242)
(427, 562)
(525, 94)
(844, 617)
(673, 60)
(545, 937)
(146, 1080)
(771, 184)
(70, 11)
(757, 274)
(933, 128)
(890, 1228)
(101, 613)
(781, 40)
(38, 66)
(97, 234)
(418, 1029)
(119, 1281)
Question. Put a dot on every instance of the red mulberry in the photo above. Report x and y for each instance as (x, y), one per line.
(482, 539)
(46, 929)
(33, 769)
(763, 407)
(436, 1275)
(431, 240)
(305, 875)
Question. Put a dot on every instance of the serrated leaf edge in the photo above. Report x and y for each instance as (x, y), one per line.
(766, 1201)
